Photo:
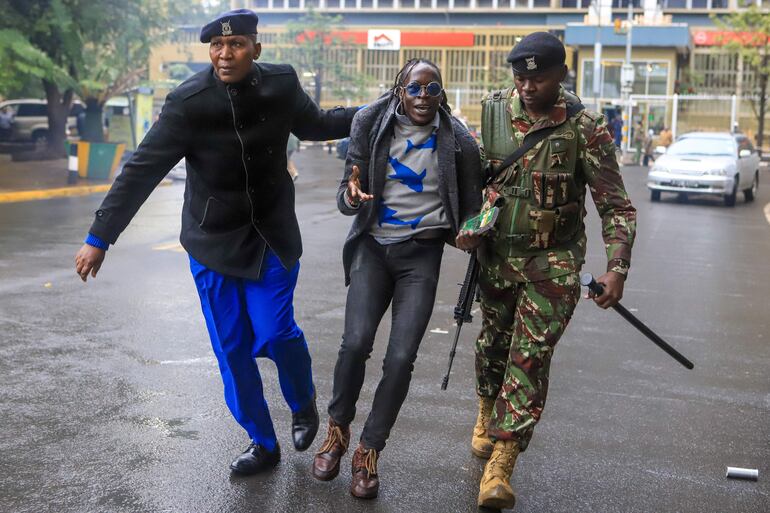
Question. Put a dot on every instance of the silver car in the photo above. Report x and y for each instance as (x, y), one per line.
(707, 163)
(30, 120)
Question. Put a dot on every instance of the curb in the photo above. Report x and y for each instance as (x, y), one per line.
(60, 192)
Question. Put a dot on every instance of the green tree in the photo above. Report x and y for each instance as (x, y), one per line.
(93, 48)
(312, 45)
(752, 43)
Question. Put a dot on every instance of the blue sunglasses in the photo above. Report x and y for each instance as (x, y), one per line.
(415, 89)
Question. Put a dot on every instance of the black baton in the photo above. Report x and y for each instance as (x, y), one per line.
(587, 280)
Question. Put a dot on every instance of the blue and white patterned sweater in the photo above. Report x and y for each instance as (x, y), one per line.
(410, 201)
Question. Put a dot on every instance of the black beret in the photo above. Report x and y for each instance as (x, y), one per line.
(240, 22)
(537, 52)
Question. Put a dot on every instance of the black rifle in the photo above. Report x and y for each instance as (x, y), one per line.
(587, 280)
(463, 309)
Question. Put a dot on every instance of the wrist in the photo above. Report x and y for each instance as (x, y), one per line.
(618, 265)
(93, 240)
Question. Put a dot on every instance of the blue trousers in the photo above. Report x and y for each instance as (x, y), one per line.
(248, 319)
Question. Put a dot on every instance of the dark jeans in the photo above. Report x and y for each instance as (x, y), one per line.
(406, 273)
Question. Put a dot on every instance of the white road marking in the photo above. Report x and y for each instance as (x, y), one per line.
(189, 361)
(767, 212)
(439, 331)
(169, 246)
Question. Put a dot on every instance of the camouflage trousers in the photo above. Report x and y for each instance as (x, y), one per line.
(521, 324)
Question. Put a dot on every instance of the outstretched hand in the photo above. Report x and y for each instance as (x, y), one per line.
(354, 192)
(612, 283)
(88, 260)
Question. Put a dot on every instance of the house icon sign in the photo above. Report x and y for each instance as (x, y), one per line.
(384, 39)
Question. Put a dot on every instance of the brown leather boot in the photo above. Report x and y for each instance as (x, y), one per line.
(365, 483)
(326, 463)
(495, 488)
(481, 445)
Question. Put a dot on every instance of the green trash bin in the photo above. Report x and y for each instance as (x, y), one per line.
(98, 161)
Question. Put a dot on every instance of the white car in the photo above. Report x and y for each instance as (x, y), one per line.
(30, 119)
(707, 163)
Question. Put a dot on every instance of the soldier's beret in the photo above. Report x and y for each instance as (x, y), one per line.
(537, 52)
(240, 22)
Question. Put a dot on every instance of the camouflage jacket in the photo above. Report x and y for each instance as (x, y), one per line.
(596, 167)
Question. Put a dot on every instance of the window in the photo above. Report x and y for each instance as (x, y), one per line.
(649, 78)
(702, 146)
(616, 4)
(541, 3)
(610, 87)
(32, 109)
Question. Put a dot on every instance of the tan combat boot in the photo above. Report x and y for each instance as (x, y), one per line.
(495, 489)
(481, 445)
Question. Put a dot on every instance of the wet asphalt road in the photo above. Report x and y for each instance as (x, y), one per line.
(111, 401)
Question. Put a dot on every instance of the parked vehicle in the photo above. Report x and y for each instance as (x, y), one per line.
(706, 163)
(30, 120)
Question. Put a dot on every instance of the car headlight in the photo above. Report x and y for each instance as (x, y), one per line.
(717, 172)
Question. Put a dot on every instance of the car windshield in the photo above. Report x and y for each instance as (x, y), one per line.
(707, 146)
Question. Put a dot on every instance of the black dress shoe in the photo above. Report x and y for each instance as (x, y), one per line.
(304, 426)
(256, 459)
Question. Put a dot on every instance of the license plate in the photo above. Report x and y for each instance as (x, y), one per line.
(681, 183)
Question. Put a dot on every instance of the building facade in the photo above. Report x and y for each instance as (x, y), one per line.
(674, 48)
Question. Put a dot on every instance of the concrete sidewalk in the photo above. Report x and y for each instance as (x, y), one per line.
(44, 179)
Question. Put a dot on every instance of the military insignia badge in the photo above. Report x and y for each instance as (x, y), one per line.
(226, 29)
(531, 64)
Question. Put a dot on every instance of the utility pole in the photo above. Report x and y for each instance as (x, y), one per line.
(598, 55)
(627, 78)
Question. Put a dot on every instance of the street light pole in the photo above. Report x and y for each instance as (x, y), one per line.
(598, 55)
(627, 77)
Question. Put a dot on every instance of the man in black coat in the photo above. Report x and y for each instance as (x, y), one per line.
(231, 123)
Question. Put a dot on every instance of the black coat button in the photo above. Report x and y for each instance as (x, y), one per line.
(240, 126)
(262, 117)
(234, 92)
(270, 151)
(251, 190)
(248, 157)
(100, 213)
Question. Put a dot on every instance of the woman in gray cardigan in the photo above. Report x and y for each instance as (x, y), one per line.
(412, 176)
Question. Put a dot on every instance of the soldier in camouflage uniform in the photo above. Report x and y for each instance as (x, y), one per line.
(529, 262)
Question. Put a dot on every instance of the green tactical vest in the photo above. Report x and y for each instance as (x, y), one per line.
(541, 205)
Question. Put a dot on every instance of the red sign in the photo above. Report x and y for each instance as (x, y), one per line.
(721, 37)
(442, 39)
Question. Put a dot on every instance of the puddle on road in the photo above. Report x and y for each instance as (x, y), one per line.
(170, 428)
